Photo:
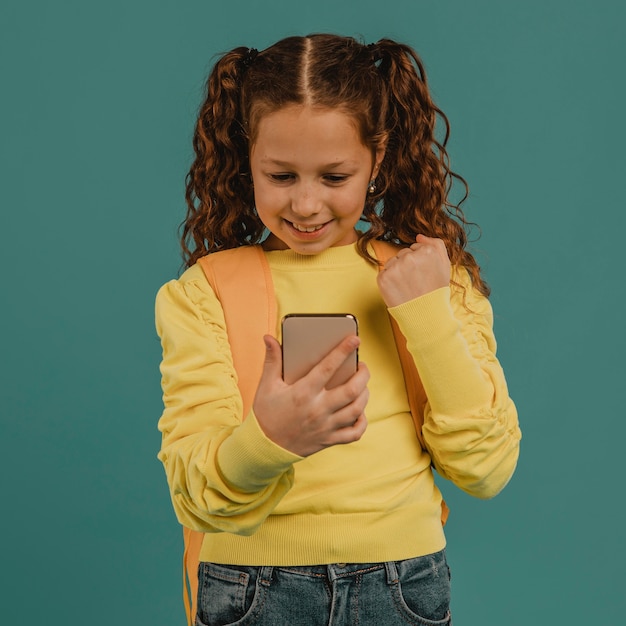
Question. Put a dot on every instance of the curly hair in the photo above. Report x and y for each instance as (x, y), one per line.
(383, 86)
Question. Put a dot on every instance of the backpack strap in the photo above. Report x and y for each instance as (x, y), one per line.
(242, 282)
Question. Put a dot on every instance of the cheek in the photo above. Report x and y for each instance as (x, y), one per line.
(351, 204)
(263, 199)
(268, 204)
(264, 215)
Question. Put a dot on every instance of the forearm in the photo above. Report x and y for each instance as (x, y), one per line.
(226, 480)
(470, 423)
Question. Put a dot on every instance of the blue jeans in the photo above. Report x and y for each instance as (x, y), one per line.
(415, 591)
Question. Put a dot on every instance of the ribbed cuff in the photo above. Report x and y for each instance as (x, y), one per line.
(427, 320)
(249, 460)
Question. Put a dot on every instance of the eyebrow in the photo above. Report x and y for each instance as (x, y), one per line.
(287, 165)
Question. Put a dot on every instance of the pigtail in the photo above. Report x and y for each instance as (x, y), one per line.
(383, 85)
(219, 195)
(416, 180)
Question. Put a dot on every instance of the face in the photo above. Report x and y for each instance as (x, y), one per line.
(311, 172)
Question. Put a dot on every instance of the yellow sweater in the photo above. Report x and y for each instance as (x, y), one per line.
(372, 500)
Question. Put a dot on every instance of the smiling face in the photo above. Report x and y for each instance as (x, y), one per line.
(311, 172)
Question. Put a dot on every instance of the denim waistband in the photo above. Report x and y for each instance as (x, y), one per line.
(336, 571)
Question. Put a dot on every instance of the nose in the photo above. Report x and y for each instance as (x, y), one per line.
(305, 200)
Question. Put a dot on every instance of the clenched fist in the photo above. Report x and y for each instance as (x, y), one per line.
(415, 271)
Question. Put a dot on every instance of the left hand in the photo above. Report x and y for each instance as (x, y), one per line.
(415, 271)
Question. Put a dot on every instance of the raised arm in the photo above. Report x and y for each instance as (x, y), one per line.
(470, 422)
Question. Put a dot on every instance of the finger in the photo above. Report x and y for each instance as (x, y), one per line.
(349, 414)
(326, 368)
(349, 392)
(273, 364)
(434, 241)
(431, 246)
(351, 433)
(423, 238)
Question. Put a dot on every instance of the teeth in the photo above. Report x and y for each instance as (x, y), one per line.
(306, 229)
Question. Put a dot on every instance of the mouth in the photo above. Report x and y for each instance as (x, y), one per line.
(307, 232)
(301, 228)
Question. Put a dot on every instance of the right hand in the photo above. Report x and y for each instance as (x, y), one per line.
(305, 417)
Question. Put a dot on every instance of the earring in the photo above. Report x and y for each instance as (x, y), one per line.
(371, 188)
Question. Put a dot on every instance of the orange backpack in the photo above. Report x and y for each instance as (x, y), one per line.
(242, 281)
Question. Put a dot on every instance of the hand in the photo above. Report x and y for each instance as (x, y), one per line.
(415, 271)
(305, 417)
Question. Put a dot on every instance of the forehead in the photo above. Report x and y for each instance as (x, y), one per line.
(300, 127)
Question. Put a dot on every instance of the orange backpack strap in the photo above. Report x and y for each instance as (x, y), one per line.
(242, 282)
(192, 541)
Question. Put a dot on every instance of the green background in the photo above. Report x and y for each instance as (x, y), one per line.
(97, 107)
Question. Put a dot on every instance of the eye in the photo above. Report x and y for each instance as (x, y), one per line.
(281, 178)
(335, 178)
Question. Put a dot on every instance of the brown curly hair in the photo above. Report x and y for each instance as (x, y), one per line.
(382, 86)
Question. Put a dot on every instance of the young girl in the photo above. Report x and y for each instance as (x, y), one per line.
(318, 506)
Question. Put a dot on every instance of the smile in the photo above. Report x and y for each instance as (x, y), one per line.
(307, 229)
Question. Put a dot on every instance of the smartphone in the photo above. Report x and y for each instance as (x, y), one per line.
(308, 338)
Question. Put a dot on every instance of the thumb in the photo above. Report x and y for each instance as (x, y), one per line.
(273, 364)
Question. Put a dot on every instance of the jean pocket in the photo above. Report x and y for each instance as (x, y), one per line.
(224, 594)
(422, 592)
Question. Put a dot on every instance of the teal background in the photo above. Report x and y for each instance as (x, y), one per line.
(97, 106)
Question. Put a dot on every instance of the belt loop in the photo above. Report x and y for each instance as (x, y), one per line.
(392, 572)
(332, 573)
(265, 575)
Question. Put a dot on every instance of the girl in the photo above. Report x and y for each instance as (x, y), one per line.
(318, 506)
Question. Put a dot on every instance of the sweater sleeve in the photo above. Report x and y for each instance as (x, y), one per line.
(470, 422)
(224, 474)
